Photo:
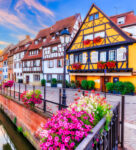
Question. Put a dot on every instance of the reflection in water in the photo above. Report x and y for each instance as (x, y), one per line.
(10, 139)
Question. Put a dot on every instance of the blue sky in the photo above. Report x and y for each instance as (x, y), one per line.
(21, 17)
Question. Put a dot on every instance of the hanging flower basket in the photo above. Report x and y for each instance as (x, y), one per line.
(76, 66)
(97, 39)
(111, 64)
(8, 84)
(101, 65)
(87, 42)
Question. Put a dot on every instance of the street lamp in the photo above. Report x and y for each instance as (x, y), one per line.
(65, 39)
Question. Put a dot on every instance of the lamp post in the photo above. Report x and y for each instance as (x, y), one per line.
(65, 39)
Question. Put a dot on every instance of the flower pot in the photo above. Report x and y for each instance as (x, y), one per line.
(53, 85)
(115, 92)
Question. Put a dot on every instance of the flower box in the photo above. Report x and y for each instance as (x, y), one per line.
(76, 66)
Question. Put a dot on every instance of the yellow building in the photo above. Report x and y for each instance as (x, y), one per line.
(101, 51)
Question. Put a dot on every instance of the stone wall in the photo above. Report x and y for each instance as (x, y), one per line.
(27, 119)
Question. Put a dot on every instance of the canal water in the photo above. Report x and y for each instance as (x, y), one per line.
(10, 138)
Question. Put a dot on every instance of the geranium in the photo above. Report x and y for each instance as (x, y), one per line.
(8, 83)
(30, 98)
(97, 39)
(111, 64)
(87, 42)
(101, 65)
(76, 66)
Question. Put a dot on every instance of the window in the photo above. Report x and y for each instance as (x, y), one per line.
(121, 20)
(49, 77)
(53, 37)
(36, 42)
(101, 34)
(36, 77)
(103, 56)
(94, 57)
(59, 77)
(50, 64)
(88, 37)
(80, 58)
(34, 63)
(112, 55)
(76, 58)
(59, 63)
(96, 16)
(54, 49)
(44, 39)
(121, 54)
(91, 18)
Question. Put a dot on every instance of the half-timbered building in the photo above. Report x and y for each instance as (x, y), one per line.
(32, 62)
(19, 53)
(101, 51)
(53, 50)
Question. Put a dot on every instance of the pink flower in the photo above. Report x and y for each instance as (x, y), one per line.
(72, 144)
(67, 139)
(56, 138)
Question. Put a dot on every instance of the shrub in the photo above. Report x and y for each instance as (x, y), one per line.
(54, 81)
(120, 87)
(84, 84)
(73, 85)
(43, 82)
(109, 86)
(72, 81)
(67, 84)
(128, 88)
(91, 85)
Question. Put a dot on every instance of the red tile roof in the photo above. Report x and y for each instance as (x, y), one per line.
(130, 18)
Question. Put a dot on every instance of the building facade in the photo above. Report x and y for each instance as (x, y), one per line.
(103, 51)
(53, 50)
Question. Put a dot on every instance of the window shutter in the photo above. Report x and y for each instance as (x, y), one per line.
(84, 58)
(94, 57)
(121, 54)
(71, 59)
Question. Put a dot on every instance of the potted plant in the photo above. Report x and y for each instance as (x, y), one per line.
(111, 64)
(76, 66)
(54, 82)
(91, 85)
(8, 84)
(72, 84)
(128, 88)
(97, 40)
(109, 87)
(101, 65)
(43, 82)
(31, 98)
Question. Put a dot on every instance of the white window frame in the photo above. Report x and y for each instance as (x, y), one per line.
(110, 57)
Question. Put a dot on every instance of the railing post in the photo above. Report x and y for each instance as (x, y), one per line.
(83, 92)
(59, 99)
(122, 120)
(19, 91)
(25, 87)
(14, 90)
(44, 106)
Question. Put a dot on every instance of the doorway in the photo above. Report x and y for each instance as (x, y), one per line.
(104, 80)
(27, 79)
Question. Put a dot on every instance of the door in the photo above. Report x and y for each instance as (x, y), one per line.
(27, 79)
(80, 78)
(104, 80)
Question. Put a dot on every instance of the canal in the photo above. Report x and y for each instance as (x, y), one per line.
(10, 138)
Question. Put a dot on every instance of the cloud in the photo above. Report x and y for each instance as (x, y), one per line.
(34, 4)
(4, 43)
(8, 18)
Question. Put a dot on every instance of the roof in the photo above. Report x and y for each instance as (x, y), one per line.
(57, 27)
(130, 18)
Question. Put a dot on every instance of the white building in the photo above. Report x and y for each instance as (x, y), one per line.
(126, 21)
(18, 56)
(53, 51)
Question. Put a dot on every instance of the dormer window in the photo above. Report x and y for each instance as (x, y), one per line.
(121, 20)
(27, 45)
(96, 16)
(44, 39)
(36, 42)
(53, 37)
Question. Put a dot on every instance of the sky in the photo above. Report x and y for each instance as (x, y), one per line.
(26, 17)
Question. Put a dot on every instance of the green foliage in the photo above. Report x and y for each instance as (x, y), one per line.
(43, 82)
(54, 81)
(84, 84)
(48, 81)
(7, 146)
(19, 129)
(109, 86)
(68, 85)
(15, 120)
(73, 85)
(72, 81)
(59, 81)
(120, 87)
(128, 88)
(91, 85)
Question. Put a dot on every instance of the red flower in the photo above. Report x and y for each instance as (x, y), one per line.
(76, 94)
(93, 91)
(76, 66)
(97, 39)
(87, 42)
(79, 90)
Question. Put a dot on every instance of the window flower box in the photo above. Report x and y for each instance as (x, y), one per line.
(111, 64)
(76, 66)
(87, 42)
(101, 65)
(97, 40)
